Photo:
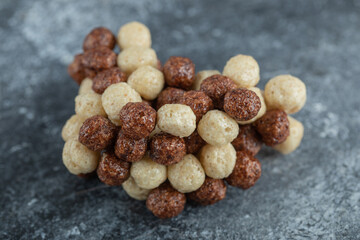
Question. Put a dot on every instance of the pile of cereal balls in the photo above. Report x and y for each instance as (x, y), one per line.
(167, 134)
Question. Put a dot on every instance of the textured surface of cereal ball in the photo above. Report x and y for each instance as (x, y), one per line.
(243, 69)
(248, 140)
(198, 101)
(165, 201)
(147, 81)
(194, 143)
(90, 73)
(262, 110)
(246, 172)
(187, 175)
(176, 119)
(218, 162)
(99, 58)
(217, 128)
(112, 171)
(99, 36)
(115, 97)
(134, 191)
(88, 105)
(293, 141)
(137, 119)
(129, 149)
(285, 92)
(134, 34)
(169, 96)
(76, 69)
(216, 86)
(105, 78)
(79, 159)
(273, 127)
(167, 149)
(134, 57)
(147, 173)
(72, 127)
(211, 192)
(179, 72)
(201, 76)
(86, 86)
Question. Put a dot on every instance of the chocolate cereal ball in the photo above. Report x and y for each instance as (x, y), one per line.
(72, 127)
(165, 201)
(76, 69)
(86, 86)
(99, 58)
(293, 141)
(134, 34)
(248, 140)
(194, 143)
(88, 105)
(201, 76)
(211, 192)
(99, 36)
(132, 58)
(105, 78)
(111, 170)
(169, 96)
(167, 149)
(179, 72)
(273, 127)
(134, 191)
(128, 149)
(90, 73)
(262, 110)
(198, 101)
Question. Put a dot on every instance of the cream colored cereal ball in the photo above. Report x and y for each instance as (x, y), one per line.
(88, 105)
(285, 92)
(86, 86)
(147, 81)
(200, 76)
(218, 162)
(294, 139)
(262, 110)
(134, 191)
(72, 127)
(134, 34)
(148, 174)
(186, 175)
(243, 69)
(79, 159)
(115, 97)
(176, 119)
(134, 57)
(217, 128)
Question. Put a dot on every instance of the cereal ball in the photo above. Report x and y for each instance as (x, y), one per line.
(147, 81)
(294, 139)
(97, 133)
(137, 119)
(115, 97)
(273, 127)
(147, 173)
(129, 149)
(218, 162)
(248, 140)
(90, 73)
(194, 143)
(134, 191)
(76, 69)
(99, 58)
(243, 69)
(201, 76)
(285, 92)
(217, 128)
(176, 119)
(86, 86)
(134, 34)
(242, 104)
(211, 192)
(262, 110)
(105, 78)
(179, 72)
(198, 101)
(112, 171)
(246, 172)
(186, 175)
(165, 201)
(79, 159)
(216, 86)
(72, 127)
(169, 96)
(88, 105)
(167, 149)
(99, 36)
(134, 57)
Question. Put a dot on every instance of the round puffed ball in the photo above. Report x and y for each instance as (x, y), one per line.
(79, 159)
(218, 128)
(72, 127)
(99, 58)
(147, 173)
(165, 201)
(88, 105)
(198, 101)
(134, 191)
(273, 127)
(246, 172)
(99, 36)
(105, 78)
(112, 171)
(167, 149)
(169, 96)
(134, 34)
(285, 92)
(194, 143)
(176, 119)
(129, 149)
(134, 57)
(248, 140)
(179, 72)
(243, 69)
(218, 162)
(211, 192)
(293, 141)
(147, 81)
(86, 86)
(76, 69)
(187, 175)
(262, 110)
(201, 76)
(115, 97)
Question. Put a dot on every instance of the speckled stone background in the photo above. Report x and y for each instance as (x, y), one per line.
(313, 193)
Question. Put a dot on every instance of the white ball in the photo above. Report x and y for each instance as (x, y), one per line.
(134, 34)
(88, 105)
(72, 127)
(134, 191)
(293, 141)
(134, 57)
(200, 76)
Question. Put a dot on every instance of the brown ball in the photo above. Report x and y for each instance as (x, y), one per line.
(128, 149)
(212, 191)
(76, 69)
(246, 172)
(90, 73)
(179, 72)
(273, 127)
(97, 133)
(194, 143)
(99, 58)
(111, 170)
(167, 149)
(248, 140)
(198, 101)
(169, 96)
(99, 36)
(165, 202)
(107, 77)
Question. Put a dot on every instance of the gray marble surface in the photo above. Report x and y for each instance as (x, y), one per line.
(313, 193)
